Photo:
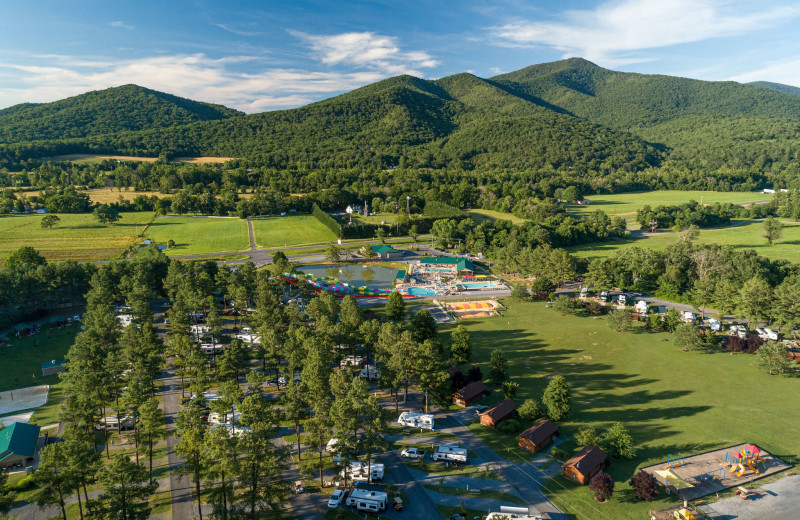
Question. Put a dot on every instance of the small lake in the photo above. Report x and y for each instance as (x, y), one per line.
(356, 275)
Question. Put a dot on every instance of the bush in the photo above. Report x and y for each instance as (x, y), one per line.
(510, 389)
(520, 293)
(587, 437)
(530, 410)
(510, 426)
(620, 320)
(23, 484)
(560, 454)
(645, 486)
(563, 304)
(543, 284)
(617, 442)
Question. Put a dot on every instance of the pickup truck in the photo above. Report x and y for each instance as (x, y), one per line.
(412, 453)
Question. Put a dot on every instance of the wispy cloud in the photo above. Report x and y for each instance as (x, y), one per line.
(238, 32)
(784, 71)
(196, 76)
(367, 50)
(613, 30)
(121, 25)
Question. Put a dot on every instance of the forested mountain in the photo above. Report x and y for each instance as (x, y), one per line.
(780, 87)
(571, 117)
(125, 108)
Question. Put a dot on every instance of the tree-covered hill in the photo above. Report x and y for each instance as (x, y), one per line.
(125, 108)
(565, 116)
(779, 87)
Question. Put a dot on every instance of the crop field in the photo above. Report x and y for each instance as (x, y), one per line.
(479, 215)
(276, 232)
(746, 236)
(77, 237)
(671, 401)
(194, 235)
(626, 204)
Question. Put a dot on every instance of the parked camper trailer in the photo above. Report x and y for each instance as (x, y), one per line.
(416, 420)
(622, 299)
(358, 471)
(368, 498)
(369, 372)
(112, 422)
(603, 296)
(352, 361)
(447, 453)
(714, 324)
(688, 317)
(211, 348)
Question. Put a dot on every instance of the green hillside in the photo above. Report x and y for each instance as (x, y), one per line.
(779, 87)
(125, 108)
(570, 116)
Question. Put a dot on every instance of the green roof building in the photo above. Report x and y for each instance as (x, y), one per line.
(459, 265)
(386, 251)
(18, 444)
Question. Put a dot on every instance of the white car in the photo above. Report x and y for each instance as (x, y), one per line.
(336, 498)
(412, 453)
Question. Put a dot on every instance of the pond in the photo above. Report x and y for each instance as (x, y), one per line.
(355, 275)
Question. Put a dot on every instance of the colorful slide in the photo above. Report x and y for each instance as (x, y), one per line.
(684, 514)
(751, 466)
(741, 471)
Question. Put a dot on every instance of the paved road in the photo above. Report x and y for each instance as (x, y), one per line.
(182, 507)
(418, 503)
(775, 501)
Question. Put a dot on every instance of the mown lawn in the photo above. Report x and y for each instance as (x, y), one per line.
(21, 363)
(627, 203)
(272, 232)
(77, 237)
(199, 234)
(746, 236)
(672, 401)
(479, 215)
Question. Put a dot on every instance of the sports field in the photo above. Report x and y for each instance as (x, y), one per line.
(194, 235)
(77, 237)
(672, 401)
(746, 236)
(626, 204)
(271, 232)
(479, 215)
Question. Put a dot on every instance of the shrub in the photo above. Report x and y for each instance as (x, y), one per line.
(23, 484)
(563, 304)
(603, 486)
(620, 320)
(530, 410)
(645, 486)
(587, 437)
(510, 389)
(560, 454)
(474, 374)
(543, 284)
(510, 426)
(617, 441)
(520, 293)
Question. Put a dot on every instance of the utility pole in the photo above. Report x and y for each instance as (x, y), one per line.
(408, 205)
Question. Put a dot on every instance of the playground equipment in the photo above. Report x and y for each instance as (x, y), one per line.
(751, 466)
(683, 514)
(711, 476)
(672, 461)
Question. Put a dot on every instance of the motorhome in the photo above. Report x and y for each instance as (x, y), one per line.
(416, 420)
(358, 471)
(688, 317)
(770, 334)
(352, 361)
(447, 453)
(246, 337)
(714, 324)
(369, 372)
(224, 418)
(603, 296)
(112, 422)
(622, 299)
(368, 497)
(125, 319)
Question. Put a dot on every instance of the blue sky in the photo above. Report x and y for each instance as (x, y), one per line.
(267, 55)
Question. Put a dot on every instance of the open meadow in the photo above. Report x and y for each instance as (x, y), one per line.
(746, 236)
(479, 215)
(194, 235)
(672, 401)
(276, 232)
(626, 204)
(77, 237)
(82, 158)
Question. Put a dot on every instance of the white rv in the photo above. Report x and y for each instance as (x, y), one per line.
(714, 324)
(368, 498)
(246, 337)
(125, 319)
(369, 372)
(112, 422)
(352, 361)
(224, 418)
(211, 348)
(416, 420)
(358, 471)
(688, 317)
(641, 307)
(771, 334)
(447, 453)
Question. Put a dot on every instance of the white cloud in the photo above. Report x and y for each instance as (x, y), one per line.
(235, 31)
(608, 33)
(122, 25)
(786, 72)
(495, 70)
(367, 50)
(196, 76)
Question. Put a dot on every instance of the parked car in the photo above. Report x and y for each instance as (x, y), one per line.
(412, 453)
(337, 498)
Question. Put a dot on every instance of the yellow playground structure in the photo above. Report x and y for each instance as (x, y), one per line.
(683, 514)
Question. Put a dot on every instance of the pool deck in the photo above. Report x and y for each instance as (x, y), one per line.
(683, 481)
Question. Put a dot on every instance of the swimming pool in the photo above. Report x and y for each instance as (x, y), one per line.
(479, 285)
(421, 291)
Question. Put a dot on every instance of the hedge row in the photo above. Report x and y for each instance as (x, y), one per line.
(437, 210)
(327, 220)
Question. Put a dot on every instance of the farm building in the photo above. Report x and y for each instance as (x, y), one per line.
(537, 436)
(584, 464)
(498, 413)
(386, 252)
(53, 367)
(448, 265)
(18, 444)
(470, 393)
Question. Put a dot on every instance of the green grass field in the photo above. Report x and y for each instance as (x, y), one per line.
(21, 362)
(199, 234)
(746, 236)
(272, 232)
(627, 203)
(479, 215)
(389, 218)
(672, 401)
(77, 237)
